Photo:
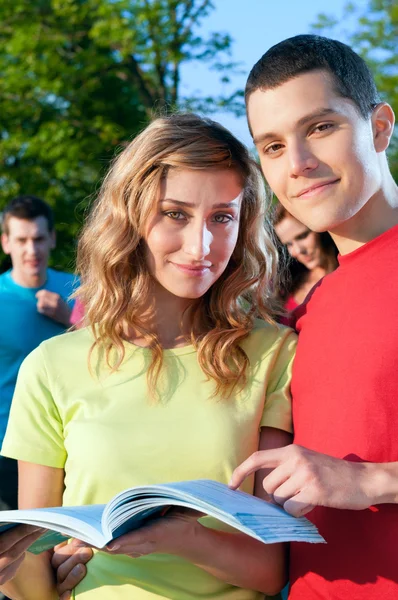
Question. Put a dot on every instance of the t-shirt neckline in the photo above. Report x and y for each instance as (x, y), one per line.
(180, 351)
(380, 240)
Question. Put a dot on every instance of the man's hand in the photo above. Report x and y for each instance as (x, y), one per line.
(69, 562)
(51, 305)
(13, 545)
(302, 479)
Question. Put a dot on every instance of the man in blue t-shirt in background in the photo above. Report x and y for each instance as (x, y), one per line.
(34, 306)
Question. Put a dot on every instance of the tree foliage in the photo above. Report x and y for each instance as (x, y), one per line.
(78, 78)
(373, 33)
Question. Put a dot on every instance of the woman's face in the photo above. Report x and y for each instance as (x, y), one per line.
(193, 230)
(302, 243)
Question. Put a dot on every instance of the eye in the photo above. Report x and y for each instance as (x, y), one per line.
(273, 148)
(322, 127)
(222, 218)
(303, 235)
(175, 215)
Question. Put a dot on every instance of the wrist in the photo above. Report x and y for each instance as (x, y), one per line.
(382, 483)
(185, 540)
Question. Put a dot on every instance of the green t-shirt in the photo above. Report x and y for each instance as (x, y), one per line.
(107, 435)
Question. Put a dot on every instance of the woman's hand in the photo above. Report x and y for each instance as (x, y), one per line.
(69, 561)
(167, 535)
(162, 535)
(13, 545)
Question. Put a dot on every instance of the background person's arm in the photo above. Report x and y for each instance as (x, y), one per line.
(38, 487)
(53, 306)
(301, 479)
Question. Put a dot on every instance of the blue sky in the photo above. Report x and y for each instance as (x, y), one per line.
(255, 25)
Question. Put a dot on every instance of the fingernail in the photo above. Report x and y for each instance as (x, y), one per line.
(79, 543)
(112, 547)
(77, 569)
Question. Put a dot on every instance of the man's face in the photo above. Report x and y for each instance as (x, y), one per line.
(29, 243)
(316, 151)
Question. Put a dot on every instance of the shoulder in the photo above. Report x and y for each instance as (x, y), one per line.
(265, 339)
(62, 283)
(323, 294)
(68, 343)
(4, 281)
(62, 278)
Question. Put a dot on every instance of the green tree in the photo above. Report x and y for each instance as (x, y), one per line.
(78, 78)
(373, 33)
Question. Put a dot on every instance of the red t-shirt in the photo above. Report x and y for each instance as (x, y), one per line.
(345, 404)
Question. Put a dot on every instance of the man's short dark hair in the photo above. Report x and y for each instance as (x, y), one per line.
(300, 54)
(28, 208)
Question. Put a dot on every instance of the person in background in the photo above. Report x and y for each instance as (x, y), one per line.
(313, 255)
(77, 316)
(181, 374)
(34, 302)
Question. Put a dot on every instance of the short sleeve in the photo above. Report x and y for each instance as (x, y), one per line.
(34, 432)
(278, 404)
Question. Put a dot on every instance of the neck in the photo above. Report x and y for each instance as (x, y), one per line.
(169, 317)
(316, 274)
(378, 215)
(29, 281)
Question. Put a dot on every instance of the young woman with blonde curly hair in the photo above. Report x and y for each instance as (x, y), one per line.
(182, 374)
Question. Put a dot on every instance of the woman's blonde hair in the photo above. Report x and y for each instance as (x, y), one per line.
(116, 284)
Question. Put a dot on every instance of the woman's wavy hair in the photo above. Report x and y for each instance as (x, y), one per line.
(116, 284)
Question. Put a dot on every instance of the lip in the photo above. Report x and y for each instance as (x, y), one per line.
(32, 263)
(316, 189)
(193, 270)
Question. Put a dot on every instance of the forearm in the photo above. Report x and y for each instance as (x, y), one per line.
(382, 482)
(34, 580)
(237, 559)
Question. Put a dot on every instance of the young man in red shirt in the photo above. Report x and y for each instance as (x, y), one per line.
(321, 133)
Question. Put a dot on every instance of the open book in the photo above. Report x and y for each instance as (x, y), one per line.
(98, 524)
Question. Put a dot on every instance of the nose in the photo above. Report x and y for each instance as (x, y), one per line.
(31, 247)
(301, 159)
(198, 239)
(295, 249)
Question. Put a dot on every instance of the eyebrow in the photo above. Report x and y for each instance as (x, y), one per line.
(191, 205)
(316, 114)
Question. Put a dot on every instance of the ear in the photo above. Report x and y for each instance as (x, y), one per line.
(382, 126)
(53, 240)
(4, 243)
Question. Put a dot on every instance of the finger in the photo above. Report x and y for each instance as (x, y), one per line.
(278, 481)
(66, 595)
(137, 542)
(78, 559)
(73, 578)
(8, 572)
(263, 459)
(63, 551)
(182, 511)
(298, 505)
(18, 549)
(59, 551)
(23, 535)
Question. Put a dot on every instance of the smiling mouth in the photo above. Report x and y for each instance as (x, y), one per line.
(192, 270)
(316, 189)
